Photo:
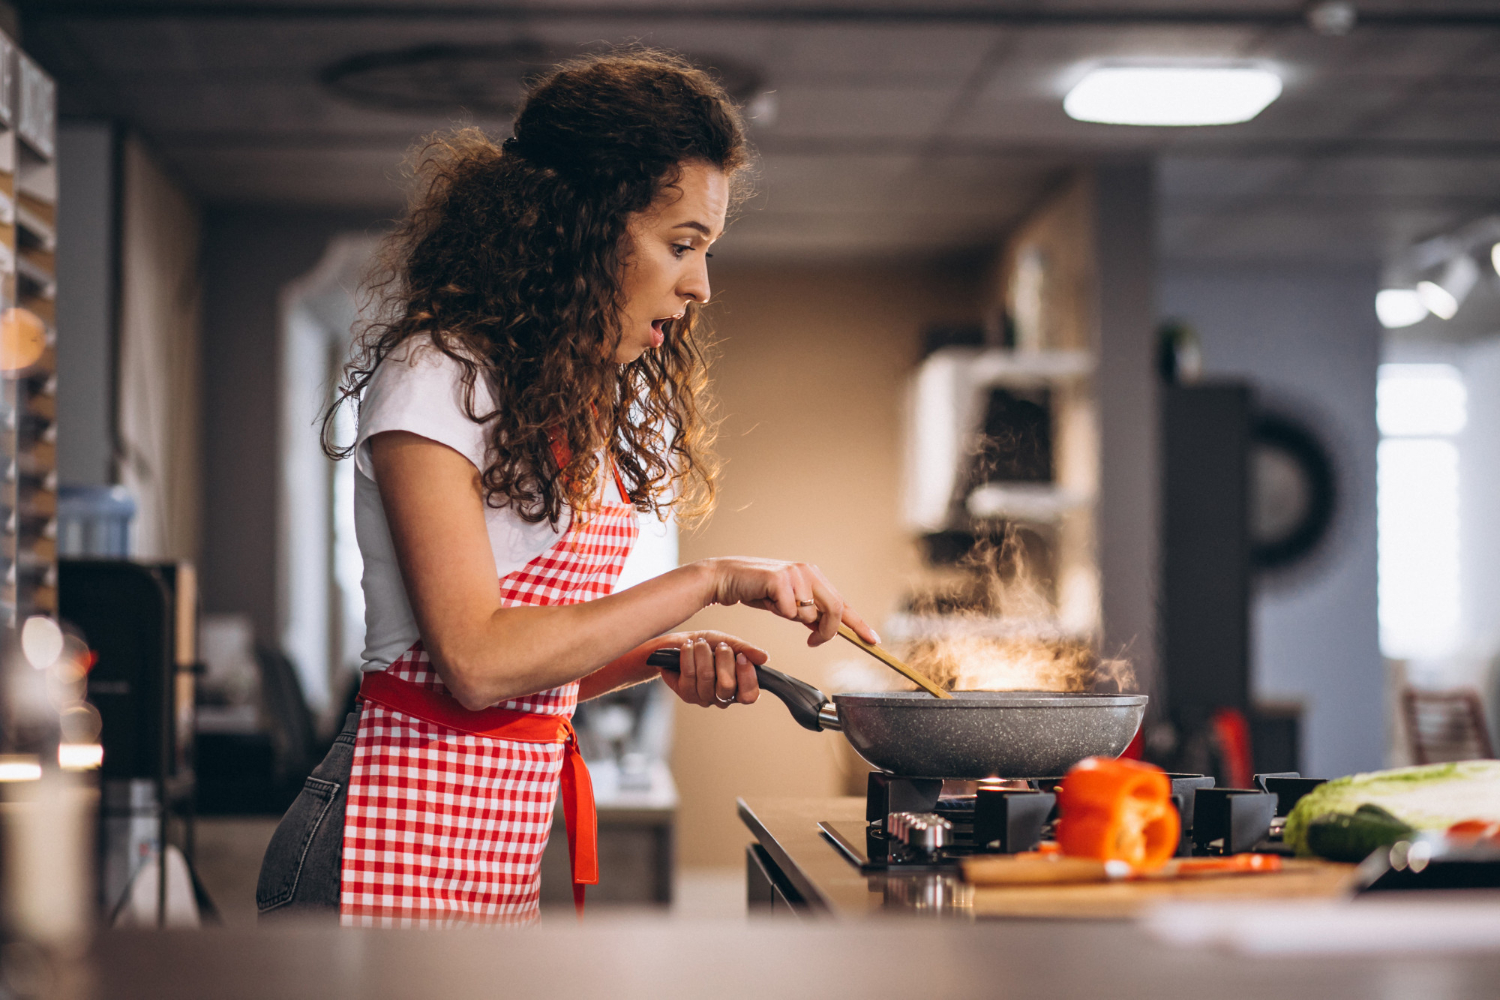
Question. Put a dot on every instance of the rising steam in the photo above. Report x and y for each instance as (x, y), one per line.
(998, 632)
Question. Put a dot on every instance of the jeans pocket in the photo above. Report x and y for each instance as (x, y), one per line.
(298, 870)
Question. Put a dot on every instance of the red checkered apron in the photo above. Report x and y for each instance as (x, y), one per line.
(449, 810)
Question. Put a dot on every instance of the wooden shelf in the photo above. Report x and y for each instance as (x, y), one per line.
(998, 367)
(28, 279)
(33, 220)
(35, 280)
(1042, 503)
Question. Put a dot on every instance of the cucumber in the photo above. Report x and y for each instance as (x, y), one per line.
(1355, 836)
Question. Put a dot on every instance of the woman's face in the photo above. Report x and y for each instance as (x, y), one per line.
(668, 263)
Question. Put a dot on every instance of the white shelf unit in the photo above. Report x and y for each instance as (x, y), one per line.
(945, 413)
(1045, 280)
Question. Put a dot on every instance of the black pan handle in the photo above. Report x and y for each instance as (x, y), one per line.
(803, 700)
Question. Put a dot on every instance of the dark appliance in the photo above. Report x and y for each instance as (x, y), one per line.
(140, 620)
(1204, 706)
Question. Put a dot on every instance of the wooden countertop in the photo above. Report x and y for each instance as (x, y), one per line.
(788, 830)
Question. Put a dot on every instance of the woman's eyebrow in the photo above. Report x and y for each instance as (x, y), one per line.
(698, 226)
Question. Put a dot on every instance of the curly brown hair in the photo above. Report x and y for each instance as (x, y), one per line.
(509, 262)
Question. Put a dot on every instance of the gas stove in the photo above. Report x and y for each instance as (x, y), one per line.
(917, 825)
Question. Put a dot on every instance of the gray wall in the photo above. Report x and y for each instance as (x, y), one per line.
(249, 255)
(87, 258)
(1308, 341)
(1126, 384)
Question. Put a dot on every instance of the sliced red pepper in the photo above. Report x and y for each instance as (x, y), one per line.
(1233, 863)
(1471, 831)
(1118, 810)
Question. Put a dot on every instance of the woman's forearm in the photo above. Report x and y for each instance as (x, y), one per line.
(517, 651)
(623, 672)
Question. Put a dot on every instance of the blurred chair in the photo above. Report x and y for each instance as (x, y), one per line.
(258, 770)
(1445, 725)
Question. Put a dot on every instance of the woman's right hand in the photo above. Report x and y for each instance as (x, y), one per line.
(798, 591)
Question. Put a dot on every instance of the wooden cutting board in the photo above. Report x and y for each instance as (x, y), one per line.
(1300, 878)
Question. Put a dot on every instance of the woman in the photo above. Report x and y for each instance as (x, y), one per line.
(535, 380)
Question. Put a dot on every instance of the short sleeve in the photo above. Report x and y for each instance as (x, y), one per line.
(422, 392)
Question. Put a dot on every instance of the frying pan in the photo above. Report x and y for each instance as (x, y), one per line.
(974, 734)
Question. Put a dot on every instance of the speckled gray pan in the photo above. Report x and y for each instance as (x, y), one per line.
(984, 734)
(974, 734)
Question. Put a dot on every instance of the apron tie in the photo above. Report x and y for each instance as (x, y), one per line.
(576, 786)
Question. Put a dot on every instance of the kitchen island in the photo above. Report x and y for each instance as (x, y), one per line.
(806, 854)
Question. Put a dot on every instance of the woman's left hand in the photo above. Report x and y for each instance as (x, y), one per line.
(714, 668)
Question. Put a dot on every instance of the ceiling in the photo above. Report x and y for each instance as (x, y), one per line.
(899, 130)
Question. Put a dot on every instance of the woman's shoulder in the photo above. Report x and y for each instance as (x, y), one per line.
(429, 373)
(421, 389)
(420, 359)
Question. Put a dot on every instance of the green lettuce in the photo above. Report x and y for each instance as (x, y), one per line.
(1431, 797)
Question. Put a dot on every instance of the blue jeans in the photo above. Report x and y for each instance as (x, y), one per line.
(303, 863)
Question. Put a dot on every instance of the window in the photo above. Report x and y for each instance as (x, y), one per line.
(1420, 408)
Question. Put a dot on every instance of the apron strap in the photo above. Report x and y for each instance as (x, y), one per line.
(562, 455)
(576, 785)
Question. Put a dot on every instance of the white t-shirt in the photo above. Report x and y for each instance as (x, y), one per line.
(420, 390)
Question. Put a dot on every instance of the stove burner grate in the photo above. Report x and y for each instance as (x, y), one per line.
(920, 825)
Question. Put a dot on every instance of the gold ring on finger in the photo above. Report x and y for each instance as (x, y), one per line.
(807, 604)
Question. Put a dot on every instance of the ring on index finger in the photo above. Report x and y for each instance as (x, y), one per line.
(807, 604)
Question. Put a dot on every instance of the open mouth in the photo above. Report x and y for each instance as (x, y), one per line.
(659, 329)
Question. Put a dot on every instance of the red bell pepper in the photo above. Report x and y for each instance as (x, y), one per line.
(1118, 810)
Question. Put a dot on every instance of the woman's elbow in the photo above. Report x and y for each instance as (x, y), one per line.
(468, 685)
(472, 699)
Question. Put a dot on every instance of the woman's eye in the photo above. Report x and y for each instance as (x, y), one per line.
(679, 249)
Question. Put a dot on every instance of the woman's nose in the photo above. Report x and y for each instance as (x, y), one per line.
(694, 284)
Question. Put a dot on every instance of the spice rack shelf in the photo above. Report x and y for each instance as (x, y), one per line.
(28, 336)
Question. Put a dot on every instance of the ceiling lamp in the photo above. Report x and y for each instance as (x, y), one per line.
(1398, 307)
(1172, 95)
(1444, 294)
(1495, 257)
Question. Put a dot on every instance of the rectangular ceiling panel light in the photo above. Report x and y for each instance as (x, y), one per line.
(1172, 95)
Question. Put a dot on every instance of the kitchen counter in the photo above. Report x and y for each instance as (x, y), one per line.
(794, 866)
(650, 955)
(656, 958)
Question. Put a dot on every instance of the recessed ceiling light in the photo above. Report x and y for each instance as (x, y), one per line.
(1398, 307)
(1172, 95)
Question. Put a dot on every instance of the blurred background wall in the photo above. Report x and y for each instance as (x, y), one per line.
(88, 259)
(250, 254)
(158, 412)
(1301, 336)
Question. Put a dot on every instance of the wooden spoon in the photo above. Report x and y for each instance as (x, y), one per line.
(895, 664)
